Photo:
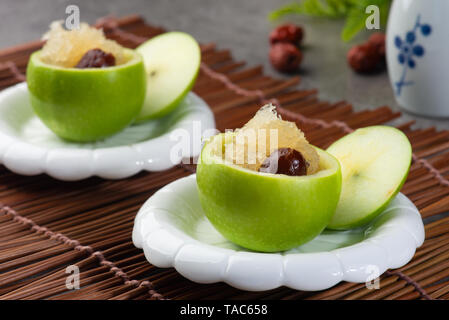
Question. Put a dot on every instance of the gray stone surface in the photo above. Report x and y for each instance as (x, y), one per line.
(239, 25)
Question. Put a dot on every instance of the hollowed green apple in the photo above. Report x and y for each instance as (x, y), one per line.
(172, 61)
(374, 163)
(87, 104)
(263, 211)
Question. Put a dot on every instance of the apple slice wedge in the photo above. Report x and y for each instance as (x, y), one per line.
(374, 164)
(172, 61)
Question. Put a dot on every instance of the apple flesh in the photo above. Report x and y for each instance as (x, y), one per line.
(263, 211)
(374, 163)
(172, 61)
(87, 104)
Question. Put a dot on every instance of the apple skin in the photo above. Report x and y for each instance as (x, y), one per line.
(267, 212)
(371, 216)
(383, 134)
(179, 95)
(87, 104)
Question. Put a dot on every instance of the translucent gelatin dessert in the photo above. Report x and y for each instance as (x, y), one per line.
(263, 136)
(66, 48)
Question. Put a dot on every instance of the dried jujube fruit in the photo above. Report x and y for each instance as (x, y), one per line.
(285, 57)
(287, 33)
(377, 39)
(364, 58)
(369, 56)
(96, 58)
(286, 161)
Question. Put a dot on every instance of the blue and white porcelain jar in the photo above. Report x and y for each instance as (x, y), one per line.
(418, 55)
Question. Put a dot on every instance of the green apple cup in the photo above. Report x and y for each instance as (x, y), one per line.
(374, 163)
(262, 211)
(87, 104)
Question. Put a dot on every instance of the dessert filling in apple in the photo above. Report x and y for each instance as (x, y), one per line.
(86, 47)
(272, 145)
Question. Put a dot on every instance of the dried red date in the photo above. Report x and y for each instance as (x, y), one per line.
(377, 39)
(285, 161)
(369, 56)
(285, 57)
(287, 33)
(364, 58)
(96, 58)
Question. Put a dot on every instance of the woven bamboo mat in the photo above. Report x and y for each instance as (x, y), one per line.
(47, 225)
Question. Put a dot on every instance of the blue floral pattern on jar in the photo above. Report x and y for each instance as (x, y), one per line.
(410, 50)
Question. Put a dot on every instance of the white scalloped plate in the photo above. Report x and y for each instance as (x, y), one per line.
(28, 147)
(173, 231)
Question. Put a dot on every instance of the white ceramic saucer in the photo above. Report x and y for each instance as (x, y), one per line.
(173, 231)
(28, 147)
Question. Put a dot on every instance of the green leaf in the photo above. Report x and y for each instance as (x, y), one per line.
(340, 7)
(353, 10)
(356, 18)
(292, 8)
(384, 10)
(355, 22)
(316, 8)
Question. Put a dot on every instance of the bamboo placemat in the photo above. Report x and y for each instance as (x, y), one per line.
(47, 225)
